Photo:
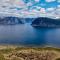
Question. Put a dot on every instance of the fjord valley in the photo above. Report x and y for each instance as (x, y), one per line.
(23, 31)
(29, 29)
(20, 39)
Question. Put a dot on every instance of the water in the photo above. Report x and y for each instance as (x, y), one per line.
(25, 34)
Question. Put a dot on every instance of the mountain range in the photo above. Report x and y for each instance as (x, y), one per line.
(35, 22)
(10, 20)
(46, 22)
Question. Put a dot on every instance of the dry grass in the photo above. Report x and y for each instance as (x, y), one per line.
(22, 53)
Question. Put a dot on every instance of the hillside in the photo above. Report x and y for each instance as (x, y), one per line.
(10, 20)
(46, 22)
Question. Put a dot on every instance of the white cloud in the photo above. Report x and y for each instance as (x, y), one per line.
(50, 0)
(5, 10)
(37, 0)
(50, 9)
(58, 6)
(58, 1)
(42, 10)
(29, 4)
(38, 7)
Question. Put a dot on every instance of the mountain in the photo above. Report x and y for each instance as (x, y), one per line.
(46, 22)
(10, 20)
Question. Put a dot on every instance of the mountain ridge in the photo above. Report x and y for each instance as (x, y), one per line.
(46, 22)
(10, 20)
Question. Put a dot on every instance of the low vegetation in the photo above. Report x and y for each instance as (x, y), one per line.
(22, 53)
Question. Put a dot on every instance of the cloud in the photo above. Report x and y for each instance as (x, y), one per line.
(50, 0)
(21, 9)
(58, 6)
(58, 1)
(29, 4)
(50, 9)
(42, 10)
(37, 0)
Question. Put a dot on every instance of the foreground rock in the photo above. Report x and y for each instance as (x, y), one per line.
(46, 22)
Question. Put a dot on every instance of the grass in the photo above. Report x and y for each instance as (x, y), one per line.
(6, 50)
(2, 57)
(45, 48)
(18, 52)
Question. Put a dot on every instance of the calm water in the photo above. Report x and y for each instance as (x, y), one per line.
(25, 34)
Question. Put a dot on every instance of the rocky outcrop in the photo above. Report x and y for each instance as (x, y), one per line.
(46, 22)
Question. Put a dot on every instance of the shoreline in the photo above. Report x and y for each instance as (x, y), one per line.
(8, 45)
(25, 47)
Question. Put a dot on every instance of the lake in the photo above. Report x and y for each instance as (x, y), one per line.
(26, 35)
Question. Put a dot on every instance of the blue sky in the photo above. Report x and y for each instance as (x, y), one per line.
(47, 4)
(31, 8)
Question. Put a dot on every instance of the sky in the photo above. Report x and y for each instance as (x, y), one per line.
(30, 8)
